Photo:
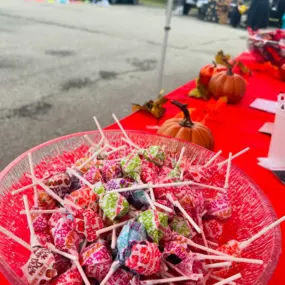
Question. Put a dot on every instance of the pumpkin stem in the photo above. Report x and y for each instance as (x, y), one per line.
(186, 122)
(215, 64)
(229, 66)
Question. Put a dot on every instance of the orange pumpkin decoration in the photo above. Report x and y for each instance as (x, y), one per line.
(187, 130)
(208, 71)
(227, 84)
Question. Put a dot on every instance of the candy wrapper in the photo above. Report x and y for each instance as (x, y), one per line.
(181, 226)
(145, 258)
(44, 238)
(153, 221)
(111, 170)
(84, 198)
(155, 154)
(86, 167)
(60, 184)
(61, 263)
(70, 277)
(120, 277)
(87, 222)
(65, 238)
(120, 183)
(99, 189)
(55, 217)
(93, 175)
(178, 249)
(213, 229)
(114, 205)
(97, 259)
(40, 267)
(149, 171)
(219, 207)
(138, 199)
(75, 182)
(132, 166)
(40, 221)
(132, 232)
(45, 201)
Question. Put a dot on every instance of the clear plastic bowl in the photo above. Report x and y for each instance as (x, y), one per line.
(251, 209)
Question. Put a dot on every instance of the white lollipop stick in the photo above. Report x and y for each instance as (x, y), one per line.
(94, 155)
(36, 194)
(114, 238)
(133, 188)
(115, 150)
(165, 280)
(211, 160)
(226, 185)
(149, 201)
(218, 265)
(114, 267)
(23, 188)
(180, 156)
(82, 179)
(87, 138)
(204, 248)
(181, 174)
(246, 243)
(15, 238)
(60, 210)
(165, 208)
(221, 279)
(110, 228)
(55, 196)
(33, 237)
(82, 273)
(229, 258)
(185, 214)
(52, 248)
(220, 164)
(227, 280)
(121, 127)
(151, 192)
(83, 245)
(100, 130)
(131, 143)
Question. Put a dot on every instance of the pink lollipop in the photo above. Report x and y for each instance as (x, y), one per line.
(97, 260)
(213, 229)
(40, 222)
(145, 258)
(71, 276)
(55, 217)
(87, 222)
(149, 171)
(44, 238)
(176, 248)
(111, 170)
(93, 175)
(60, 184)
(120, 277)
(45, 201)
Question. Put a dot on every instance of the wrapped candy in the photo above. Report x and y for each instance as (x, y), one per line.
(153, 221)
(44, 238)
(132, 166)
(149, 171)
(82, 160)
(40, 267)
(138, 199)
(114, 205)
(155, 154)
(219, 207)
(111, 169)
(45, 201)
(93, 175)
(40, 221)
(71, 276)
(181, 226)
(119, 183)
(120, 277)
(131, 232)
(60, 184)
(97, 259)
(175, 248)
(65, 238)
(213, 229)
(84, 197)
(99, 189)
(61, 263)
(87, 222)
(75, 183)
(55, 217)
(145, 258)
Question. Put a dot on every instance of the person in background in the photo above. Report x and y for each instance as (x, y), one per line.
(281, 10)
(258, 14)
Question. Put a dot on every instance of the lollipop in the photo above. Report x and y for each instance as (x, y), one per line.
(181, 226)
(149, 171)
(55, 217)
(175, 250)
(114, 205)
(153, 221)
(97, 260)
(87, 222)
(132, 232)
(93, 175)
(40, 222)
(71, 276)
(155, 154)
(45, 201)
(120, 277)
(213, 229)
(60, 184)
(111, 170)
(144, 258)
(132, 166)
(118, 184)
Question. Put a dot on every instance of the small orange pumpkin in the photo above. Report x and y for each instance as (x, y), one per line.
(208, 71)
(187, 130)
(227, 84)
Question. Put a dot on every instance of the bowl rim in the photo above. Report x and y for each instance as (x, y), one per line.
(265, 276)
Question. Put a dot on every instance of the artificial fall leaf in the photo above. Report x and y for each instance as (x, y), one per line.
(201, 91)
(244, 69)
(222, 58)
(153, 107)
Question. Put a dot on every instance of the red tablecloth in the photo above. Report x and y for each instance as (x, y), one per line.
(237, 129)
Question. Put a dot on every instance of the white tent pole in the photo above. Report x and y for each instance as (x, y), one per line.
(164, 46)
